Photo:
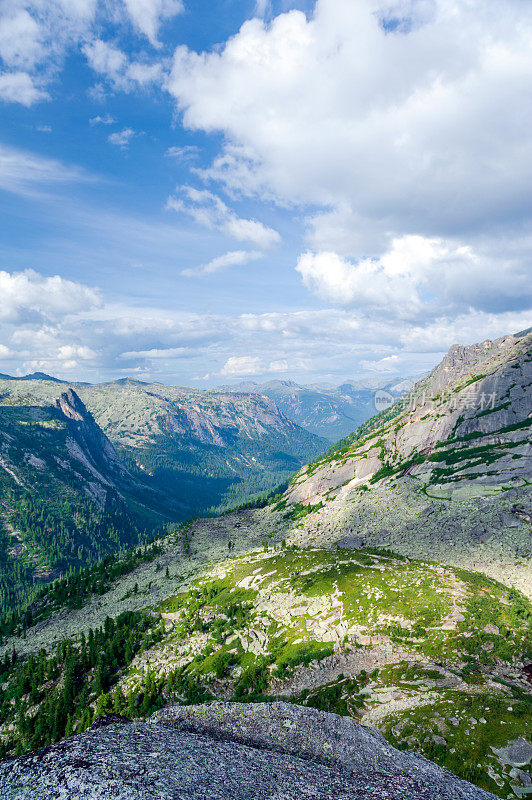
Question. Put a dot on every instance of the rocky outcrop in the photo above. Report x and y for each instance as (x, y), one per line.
(461, 360)
(94, 444)
(258, 751)
(472, 411)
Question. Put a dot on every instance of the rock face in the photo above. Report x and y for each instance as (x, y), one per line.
(91, 439)
(472, 411)
(229, 750)
(445, 474)
(461, 360)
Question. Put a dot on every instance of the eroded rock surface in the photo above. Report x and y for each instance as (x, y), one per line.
(276, 751)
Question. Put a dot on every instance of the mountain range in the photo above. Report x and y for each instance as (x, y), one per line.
(328, 411)
(204, 449)
(389, 584)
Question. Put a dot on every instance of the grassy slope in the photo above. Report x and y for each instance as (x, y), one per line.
(400, 644)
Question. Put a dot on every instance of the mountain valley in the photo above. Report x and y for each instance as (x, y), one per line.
(328, 411)
(389, 583)
(207, 450)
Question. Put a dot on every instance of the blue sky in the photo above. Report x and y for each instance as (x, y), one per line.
(199, 193)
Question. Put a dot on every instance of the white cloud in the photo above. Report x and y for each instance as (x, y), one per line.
(123, 74)
(386, 364)
(106, 119)
(105, 59)
(156, 353)
(19, 87)
(241, 365)
(231, 259)
(122, 138)
(70, 356)
(209, 210)
(26, 295)
(184, 153)
(147, 15)
(20, 39)
(423, 130)
(417, 278)
(144, 74)
(37, 35)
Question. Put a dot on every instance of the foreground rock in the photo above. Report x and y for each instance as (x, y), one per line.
(229, 750)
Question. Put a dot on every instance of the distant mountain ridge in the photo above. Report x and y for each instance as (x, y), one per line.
(328, 411)
(34, 376)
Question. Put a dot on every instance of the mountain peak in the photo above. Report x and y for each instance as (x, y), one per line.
(71, 406)
(41, 376)
(32, 376)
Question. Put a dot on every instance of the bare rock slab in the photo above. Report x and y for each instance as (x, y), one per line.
(265, 751)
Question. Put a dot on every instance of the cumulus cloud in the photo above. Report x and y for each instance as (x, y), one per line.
(231, 259)
(122, 138)
(185, 153)
(68, 352)
(113, 64)
(37, 35)
(207, 209)
(418, 128)
(386, 364)
(28, 295)
(237, 366)
(34, 39)
(106, 119)
(418, 277)
(21, 42)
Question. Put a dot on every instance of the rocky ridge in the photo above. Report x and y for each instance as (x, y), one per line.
(445, 474)
(61, 445)
(258, 751)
